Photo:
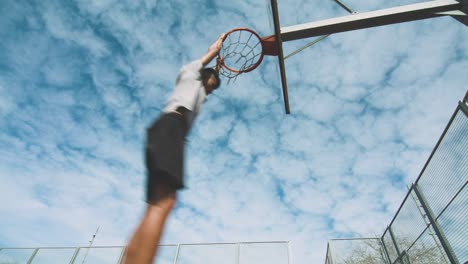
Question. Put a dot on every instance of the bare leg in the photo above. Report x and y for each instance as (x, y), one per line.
(144, 243)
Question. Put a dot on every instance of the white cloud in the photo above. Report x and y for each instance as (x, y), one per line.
(310, 200)
(97, 7)
(252, 140)
(6, 101)
(62, 25)
(286, 167)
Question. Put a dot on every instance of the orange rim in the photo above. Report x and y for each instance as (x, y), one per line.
(220, 59)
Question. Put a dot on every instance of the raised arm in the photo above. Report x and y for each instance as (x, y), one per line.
(213, 50)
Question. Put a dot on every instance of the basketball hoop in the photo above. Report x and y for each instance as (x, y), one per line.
(243, 51)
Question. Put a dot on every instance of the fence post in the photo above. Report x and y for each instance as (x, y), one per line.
(385, 255)
(32, 256)
(121, 257)
(327, 258)
(437, 229)
(406, 256)
(427, 222)
(394, 243)
(289, 253)
(238, 253)
(464, 106)
(176, 254)
(331, 252)
(74, 255)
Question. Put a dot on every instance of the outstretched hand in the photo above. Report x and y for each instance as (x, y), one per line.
(213, 50)
(218, 44)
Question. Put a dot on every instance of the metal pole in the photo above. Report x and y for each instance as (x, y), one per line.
(90, 245)
(306, 46)
(386, 256)
(227, 243)
(331, 251)
(437, 229)
(344, 7)
(464, 107)
(32, 256)
(427, 222)
(403, 258)
(327, 258)
(394, 242)
(464, 10)
(176, 254)
(408, 260)
(75, 255)
(238, 253)
(289, 253)
(122, 255)
(279, 43)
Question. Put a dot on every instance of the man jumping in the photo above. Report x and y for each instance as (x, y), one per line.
(165, 153)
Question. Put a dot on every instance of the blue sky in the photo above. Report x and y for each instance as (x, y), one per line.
(81, 80)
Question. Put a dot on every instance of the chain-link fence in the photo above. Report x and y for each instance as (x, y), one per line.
(431, 225)
(355, 250)
(208, 253)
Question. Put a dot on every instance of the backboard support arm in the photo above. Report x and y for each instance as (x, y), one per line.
(382, 17)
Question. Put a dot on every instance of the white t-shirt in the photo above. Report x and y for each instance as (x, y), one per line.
(189, 91)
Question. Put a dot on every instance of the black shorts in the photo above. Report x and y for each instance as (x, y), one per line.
(165, 156)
